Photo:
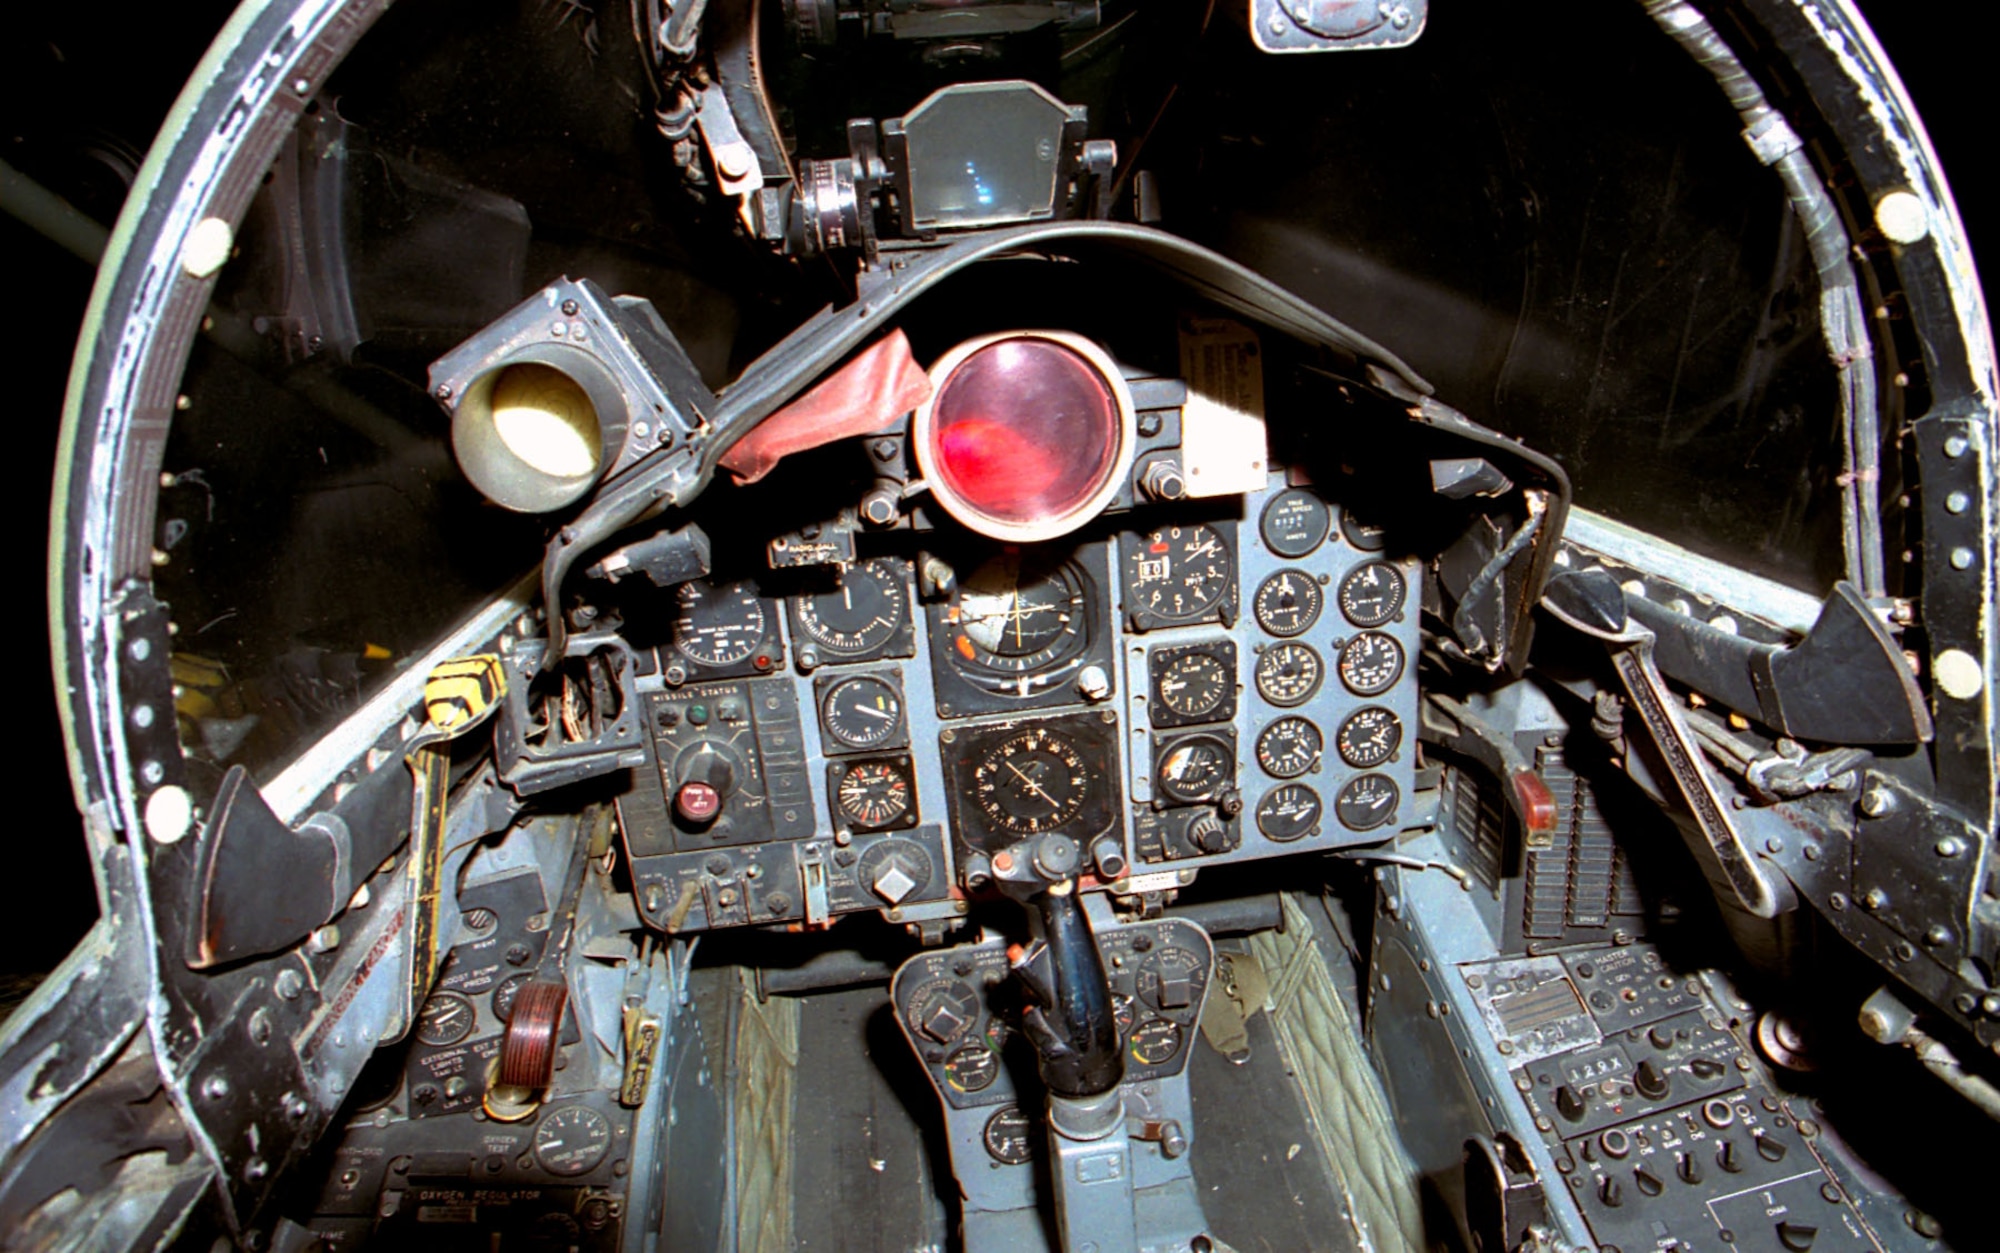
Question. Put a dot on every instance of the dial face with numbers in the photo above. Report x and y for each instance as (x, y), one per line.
(1287, 603)
(1295, 523)
(1366, 802)
(1371, 663)
(861, 615)
(718, 626)
(874, 794)
(1372, 594)
(572, 1140)
(1288, 748)
(862, 712)
(1369, 737)
(1193, 685)
(1015, 617)
(446, 1018)
(1178, 572)
(1031, 782)
(1288, 674)
(1009, 1136)
(1289, 812)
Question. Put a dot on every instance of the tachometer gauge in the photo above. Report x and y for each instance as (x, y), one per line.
(1192, 686)
(572, 1140)
(1371, 663)
(1366, 802)
(871, 795)
(1031, 782)
(1288, 674)
(862, 712)
(1194, 768)
(1288, 748)
(1287, 603)
(1177, 573)
(445, 1019)
(1369, 737)
(1288, 812)
(859, 617)
(1015, 619)
(1295, 523)
(718, 626)
(1372, 594)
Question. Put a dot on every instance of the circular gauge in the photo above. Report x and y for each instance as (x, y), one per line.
(1171, 978)
(1124, 1011)
(1178, 572)
(1372, 594)
(1026, 435)
(894, 869)
(862, 712)
(1288, 748)
(572, 1140)
(944, 1010)
(1366, 802)
(1193, 685)
(1009, 1136)
(1016, 619)
(1288, 812)
(1369, 737)
(1287, 603)
(1371, 663)
(1365, 536)
(718, 626)
(1156, 1042)
(1195, 767)
(1031, 782)
(874, 794)
(445, 1019)
(972, 1068)
(1288, 674)
(859, 616)
(1295, 523)
(503, 996)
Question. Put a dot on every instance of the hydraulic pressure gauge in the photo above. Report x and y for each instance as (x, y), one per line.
(972, 1068)
(1372, 594)
(1366, 802)
(1295, 523)
(1288, 674)
(862, 616)
(1371, 663)
(861, 713)
(1369, 737)
(1288, 748)
(1177, 574)
(1287, 603)
(1288, 812)
(572, 1140)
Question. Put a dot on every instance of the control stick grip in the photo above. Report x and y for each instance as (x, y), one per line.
(1074, 1030)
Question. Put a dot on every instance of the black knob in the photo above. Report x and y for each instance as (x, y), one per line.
(1706, 1067)
(1770, 1148)
(1726, 1158)
(1615, 1142)
(1797, 1237)
(1208, 834)
(1569, 1104)
(1649, 1183)
(1611, 1192)
(1687, 1167)
(1650, 1080)
(1661, 1038)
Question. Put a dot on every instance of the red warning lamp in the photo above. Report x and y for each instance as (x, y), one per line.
(1027, 435)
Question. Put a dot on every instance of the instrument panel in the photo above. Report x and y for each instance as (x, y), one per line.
(1184, 684)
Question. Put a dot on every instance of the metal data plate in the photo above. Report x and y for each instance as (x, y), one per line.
(1530, 1006)
(1336, 25)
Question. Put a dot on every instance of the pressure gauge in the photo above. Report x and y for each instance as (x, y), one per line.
(1369, 737)
(446, 1018)
(1288, 748)
(1288, 812)
(1288, 674)
(1371, 663)
(572, 1140)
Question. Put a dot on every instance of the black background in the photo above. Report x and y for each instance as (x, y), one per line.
(78, 78)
